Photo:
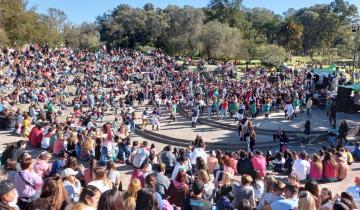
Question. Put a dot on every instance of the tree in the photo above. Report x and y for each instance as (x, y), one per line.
(272, 55)
(290, 36)
(21, 26)
(265, 22)
(57, 18)
(184, 30)
(220, 41)
(83, 37)
(323, 22)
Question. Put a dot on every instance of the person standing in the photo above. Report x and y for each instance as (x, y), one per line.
(209, 107)
(252, 140)
(194, 116)
(309, 104)
(332, 113)
(343, 129)
(144, 118)
(155, 120)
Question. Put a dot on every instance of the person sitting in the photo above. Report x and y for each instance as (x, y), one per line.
(244, 165)
(58, 164)
(244, 191)
(178, 189)
(36, 135)
(331, 168)
(101, 181)
(41, 166)
(168, 158)
(316, 168)
(8, 195)
(18, 150)
(259, 163)
(301, 167)
(291, 200)
(343, 170)
(141, 173)
(196, 201)
(278, 162)
(141, 155)
(27, 183)
(209, 187)
(162, 181)
(71, 184)
(354, 191)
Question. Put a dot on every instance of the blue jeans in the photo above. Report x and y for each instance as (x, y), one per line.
(124, 152)
(209, 109)
(132, 126)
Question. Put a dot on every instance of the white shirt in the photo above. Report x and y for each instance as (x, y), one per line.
(100, 185)
(140, 155)
(301, 168)
(198, 152)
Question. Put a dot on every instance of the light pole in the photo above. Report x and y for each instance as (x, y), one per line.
(355, 28)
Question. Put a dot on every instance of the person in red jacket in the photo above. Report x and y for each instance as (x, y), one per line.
(35, 136)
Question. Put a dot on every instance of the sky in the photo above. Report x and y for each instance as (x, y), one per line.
(79, 11)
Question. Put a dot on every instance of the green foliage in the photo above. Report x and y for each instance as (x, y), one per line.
(220, 41)
(223, 30)
(83, 37)
(272, 55)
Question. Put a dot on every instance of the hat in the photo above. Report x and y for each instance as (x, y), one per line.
(68, 172)
(6, 186)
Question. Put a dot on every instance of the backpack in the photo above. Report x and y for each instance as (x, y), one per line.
(224, 204)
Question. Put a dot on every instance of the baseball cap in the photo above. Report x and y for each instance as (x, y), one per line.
(68, 172)
(6, 186)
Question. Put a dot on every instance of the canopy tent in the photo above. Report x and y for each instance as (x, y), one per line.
(328, 70)
(354, 87)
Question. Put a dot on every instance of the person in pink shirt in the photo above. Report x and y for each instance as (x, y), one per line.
(41, 166)
(259, 163)
(140, 173)
(316, 168)
(227, 165)
(59, 144)
(89, 172)
(212, 162)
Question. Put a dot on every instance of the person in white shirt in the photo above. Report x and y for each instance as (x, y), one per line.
(301, 167)
(71, 184)
(102, 182)
(198, 152)
(140, 155)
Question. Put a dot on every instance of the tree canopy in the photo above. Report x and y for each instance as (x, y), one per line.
(223, 30)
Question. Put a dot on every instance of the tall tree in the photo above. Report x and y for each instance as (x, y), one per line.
(220, 41)
(290, 36)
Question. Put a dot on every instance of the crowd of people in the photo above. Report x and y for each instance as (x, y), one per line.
(50, 82)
